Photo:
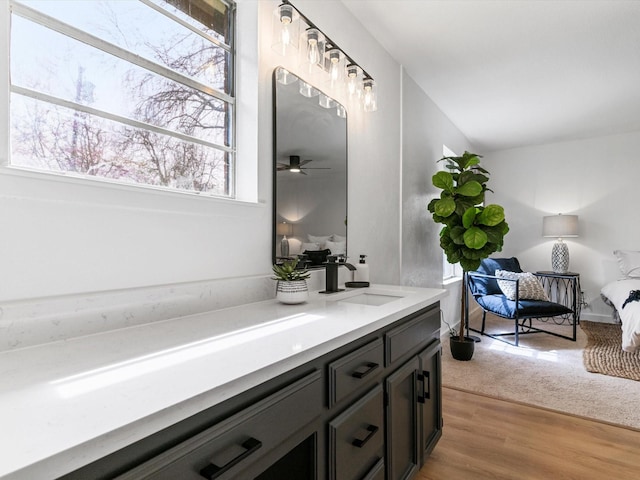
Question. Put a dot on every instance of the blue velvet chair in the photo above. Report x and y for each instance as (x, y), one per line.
(483, 286)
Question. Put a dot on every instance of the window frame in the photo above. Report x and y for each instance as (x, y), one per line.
(7, 88)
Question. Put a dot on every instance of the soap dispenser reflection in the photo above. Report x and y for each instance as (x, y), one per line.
(362, 271)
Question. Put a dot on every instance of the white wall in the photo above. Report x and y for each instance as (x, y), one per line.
(596, 179)
(425, 129)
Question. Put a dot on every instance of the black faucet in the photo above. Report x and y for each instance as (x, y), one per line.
(331, 274)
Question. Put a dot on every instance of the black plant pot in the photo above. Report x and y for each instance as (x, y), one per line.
(462, 350)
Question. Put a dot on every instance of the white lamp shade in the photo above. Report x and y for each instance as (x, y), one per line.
(560, 226)
(284, 229)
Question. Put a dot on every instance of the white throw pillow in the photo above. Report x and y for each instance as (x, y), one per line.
(311, 246)
(338, 238)
(337, 248)
(319, 239)
(529, 287)
(629, 262)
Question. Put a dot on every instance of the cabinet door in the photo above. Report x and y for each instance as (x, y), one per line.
(429, 398)
(402, 421)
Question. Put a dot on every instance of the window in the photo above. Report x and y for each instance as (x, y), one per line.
(136, 91)
(449, 270)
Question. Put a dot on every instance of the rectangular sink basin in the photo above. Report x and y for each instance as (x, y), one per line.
(374, 299)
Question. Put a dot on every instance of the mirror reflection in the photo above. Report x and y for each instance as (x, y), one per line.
(310, 171)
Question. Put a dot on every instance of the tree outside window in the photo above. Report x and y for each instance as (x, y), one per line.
(137, 91)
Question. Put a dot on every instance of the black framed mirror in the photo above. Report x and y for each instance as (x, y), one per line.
(309, 171)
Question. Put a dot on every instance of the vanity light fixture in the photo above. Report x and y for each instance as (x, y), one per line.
(370, 100)
(360, 84)
(336, 67)
(307, 90)
(285, 27)
(313, 49)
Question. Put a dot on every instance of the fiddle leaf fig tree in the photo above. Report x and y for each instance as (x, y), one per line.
(472, 231)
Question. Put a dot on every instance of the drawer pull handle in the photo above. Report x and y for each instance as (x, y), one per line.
(370, 367)
(426, 387)
(212, 470)
(372, 429)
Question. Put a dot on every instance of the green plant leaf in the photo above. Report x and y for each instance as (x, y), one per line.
(491, 215)
(475, 238)
(445, 207)
(462, 205)
(457, 235)
(469, 189)
(468, 217)
(443, 180)
(469, 265)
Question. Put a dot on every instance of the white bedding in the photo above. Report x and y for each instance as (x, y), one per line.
(617, 292)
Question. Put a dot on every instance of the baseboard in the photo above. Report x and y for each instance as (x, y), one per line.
(597, 317)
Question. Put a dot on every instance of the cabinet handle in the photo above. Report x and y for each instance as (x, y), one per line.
(370, 368)
(372, 429)
(426, 387)
(212, 470)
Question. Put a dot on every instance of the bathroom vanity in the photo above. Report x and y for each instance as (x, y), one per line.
(345, 386)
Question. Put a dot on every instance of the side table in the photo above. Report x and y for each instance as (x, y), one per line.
(563, 288)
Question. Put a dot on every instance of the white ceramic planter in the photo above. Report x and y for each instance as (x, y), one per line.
(292, 292)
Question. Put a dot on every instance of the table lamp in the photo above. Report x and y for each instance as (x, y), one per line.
(560, 226)
(284, 229)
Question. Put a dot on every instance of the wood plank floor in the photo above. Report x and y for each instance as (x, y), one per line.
(485, 438)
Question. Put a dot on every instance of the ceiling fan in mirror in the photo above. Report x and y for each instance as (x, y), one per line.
(297, 166)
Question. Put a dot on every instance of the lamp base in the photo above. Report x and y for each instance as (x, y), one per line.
(284, 247)
(560, 257)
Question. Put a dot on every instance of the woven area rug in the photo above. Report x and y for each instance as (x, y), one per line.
(603, 353)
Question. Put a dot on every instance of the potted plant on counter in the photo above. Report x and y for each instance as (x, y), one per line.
(472, 231)
(292, 282)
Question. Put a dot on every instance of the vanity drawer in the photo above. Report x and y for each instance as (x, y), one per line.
(355, 370)
(356, 438)
(228, 447)
(411, 335)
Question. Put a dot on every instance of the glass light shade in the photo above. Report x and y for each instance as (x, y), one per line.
(313, 49)
(370, 95)
(560, 226)
(285, 29)
(325, 101)
(335, 68)
(354, 83)
(285, 77)
(307, 90)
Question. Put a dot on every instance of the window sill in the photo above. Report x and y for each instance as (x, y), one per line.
(451, 281)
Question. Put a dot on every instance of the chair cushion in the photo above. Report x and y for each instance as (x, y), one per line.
(529, 287)
(488, 266)
(502, 306)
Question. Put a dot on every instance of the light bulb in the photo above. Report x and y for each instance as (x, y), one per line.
(334, 66)
(313, 56)
(286, 17)
(352, 82)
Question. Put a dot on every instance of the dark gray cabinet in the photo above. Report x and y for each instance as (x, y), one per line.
(369, 410)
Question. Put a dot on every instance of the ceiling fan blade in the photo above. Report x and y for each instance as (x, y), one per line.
(282, 166)
(304, 162)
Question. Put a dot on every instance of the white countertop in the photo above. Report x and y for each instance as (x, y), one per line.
(65, 404)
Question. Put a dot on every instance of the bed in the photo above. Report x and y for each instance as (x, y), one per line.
(620, 294)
